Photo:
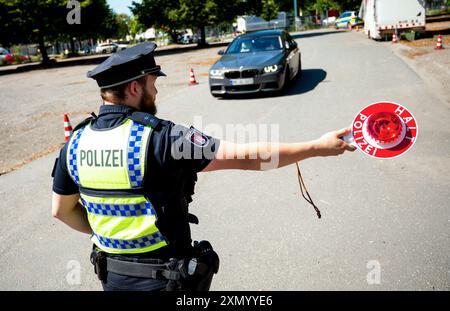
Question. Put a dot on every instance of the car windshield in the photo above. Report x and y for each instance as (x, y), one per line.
(255, 44)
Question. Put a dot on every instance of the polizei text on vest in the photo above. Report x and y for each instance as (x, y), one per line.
(101, 158)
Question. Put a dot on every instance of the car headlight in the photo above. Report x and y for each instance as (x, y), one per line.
(216, 73)
(272, 68)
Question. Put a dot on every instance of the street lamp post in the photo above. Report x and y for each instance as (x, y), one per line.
(295, 14)
(295, 8)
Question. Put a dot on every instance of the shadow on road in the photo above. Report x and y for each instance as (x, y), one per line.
(317, 33)
(307, 82)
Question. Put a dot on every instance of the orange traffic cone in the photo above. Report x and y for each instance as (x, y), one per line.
(394, 38)
(67, 128)
(439, 43)
(192, 80)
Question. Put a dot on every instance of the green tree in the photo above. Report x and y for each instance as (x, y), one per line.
(174, 15)
(7, 23)
(157, 14)
(135, 27)
(31, 21)
(269, 10)
(197, 13)
(123, 22)
(98, 21)
(352, 5)
(323, 5)
(201, 13)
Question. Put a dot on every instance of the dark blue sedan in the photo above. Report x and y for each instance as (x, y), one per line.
(258, 61)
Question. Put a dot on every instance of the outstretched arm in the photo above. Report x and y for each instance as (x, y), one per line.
(266, 155)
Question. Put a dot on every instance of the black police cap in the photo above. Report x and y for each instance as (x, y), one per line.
(126, 65)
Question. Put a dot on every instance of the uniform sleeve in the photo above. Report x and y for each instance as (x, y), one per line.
(62, 183)
(178, 146)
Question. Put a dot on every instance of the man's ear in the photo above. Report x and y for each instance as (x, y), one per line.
(134, 88)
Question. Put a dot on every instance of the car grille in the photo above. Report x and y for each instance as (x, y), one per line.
(242, 88)
(247, 73)
(232, 74)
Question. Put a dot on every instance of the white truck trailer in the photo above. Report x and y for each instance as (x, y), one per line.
(384, 17)
(254, 23)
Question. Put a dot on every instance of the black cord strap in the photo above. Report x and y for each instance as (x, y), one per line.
(302, 185)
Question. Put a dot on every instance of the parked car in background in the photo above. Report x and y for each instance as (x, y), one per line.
(348, 19)
(186, 39)
(259, 61)
(4, 54)
(121, 46)
(7, 57)
(105, 48)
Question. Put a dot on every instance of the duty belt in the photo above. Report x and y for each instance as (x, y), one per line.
(194, 272)
(143, 270)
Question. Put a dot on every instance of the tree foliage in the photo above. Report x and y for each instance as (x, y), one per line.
(269, 10)
(38, 21)
(323, 5)
(32, 21)
(174, 15)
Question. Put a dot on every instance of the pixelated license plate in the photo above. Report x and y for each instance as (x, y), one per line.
(242, 81)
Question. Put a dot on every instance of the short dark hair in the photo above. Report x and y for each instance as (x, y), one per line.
(118, 92)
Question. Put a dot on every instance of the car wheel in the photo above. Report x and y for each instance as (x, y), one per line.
(103, 51)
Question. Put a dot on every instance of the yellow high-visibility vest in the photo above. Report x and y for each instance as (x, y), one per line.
(109, 166)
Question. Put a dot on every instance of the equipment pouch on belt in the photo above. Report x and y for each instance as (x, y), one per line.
(98, 259)
(197, 272)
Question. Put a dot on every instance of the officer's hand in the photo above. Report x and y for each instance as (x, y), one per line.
(330, 144)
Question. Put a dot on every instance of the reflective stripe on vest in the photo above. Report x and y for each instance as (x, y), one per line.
(114, 160)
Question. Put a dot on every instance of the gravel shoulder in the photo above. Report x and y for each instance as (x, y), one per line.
(32, 104)
(432, 65)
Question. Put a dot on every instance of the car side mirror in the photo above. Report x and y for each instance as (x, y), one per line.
(221, 52)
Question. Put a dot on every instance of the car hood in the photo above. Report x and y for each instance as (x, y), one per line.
(249, 60)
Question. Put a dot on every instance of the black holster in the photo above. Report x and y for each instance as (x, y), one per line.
(196, 272)
(98, 259)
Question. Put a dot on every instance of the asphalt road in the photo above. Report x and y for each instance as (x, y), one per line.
(393, 215)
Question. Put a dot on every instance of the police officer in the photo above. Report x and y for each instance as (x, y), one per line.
(126, 178)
